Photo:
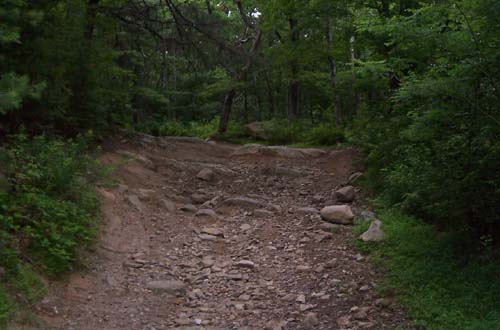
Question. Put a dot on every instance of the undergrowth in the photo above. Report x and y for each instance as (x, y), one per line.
(48, 213)
(442, 287)
(278, 131)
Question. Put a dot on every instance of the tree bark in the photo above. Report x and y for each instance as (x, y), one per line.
(81, 83)
(245, 105)
(240, 76)
(293, 84)
(226, 109)
(333, 75)
(385, 8)
(293, 96)
(270, 96)
(209, 7)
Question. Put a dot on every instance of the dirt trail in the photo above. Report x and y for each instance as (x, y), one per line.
(256, 262)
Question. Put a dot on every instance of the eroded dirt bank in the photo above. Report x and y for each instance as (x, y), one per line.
(238, 246)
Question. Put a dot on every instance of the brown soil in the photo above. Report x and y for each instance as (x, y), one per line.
(303, 277)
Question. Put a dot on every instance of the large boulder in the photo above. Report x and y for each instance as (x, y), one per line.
(374, 233)
(260, 130)
(341, 214)
(345, 194)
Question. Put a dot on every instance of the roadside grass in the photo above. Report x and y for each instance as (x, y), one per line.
(441, 288)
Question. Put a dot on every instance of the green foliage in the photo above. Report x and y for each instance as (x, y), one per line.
(284, 132)
(14, 89)
(173, 128)
(5, 307)
(201, 130)
(53, 74)
(326, 135)
(442, 290)
(52, 211)
(434, 151)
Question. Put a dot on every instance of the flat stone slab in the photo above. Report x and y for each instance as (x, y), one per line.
(169, 286)
(243, 201)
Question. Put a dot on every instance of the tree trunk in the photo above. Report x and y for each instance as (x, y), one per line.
(228, 100)
(226, 109)
(81, 83)
(385, 8)
(293, 84)
(270, 96)
(245, 105)
(209, 7)
(293, 98)
(357, 95)
(258, 107)
(333, 75)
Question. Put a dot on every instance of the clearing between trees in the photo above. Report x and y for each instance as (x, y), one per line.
(207, 235)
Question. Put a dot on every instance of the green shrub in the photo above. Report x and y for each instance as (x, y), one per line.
(203, 130)
(5, 307)
(283, 131)
(52, 209)
(442, 288)
(326, 135)
(173, 128)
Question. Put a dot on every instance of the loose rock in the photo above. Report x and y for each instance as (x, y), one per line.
(306, 210)
(341, 214)
(206, 213)
(168, 204)
(206, 174)
(207, 237)
(188, 208)
(135, 202)
(263, 213)
(170, 286)
(374, 233)
(345, 194)
(311, 320)
(245, 264)
(213, 231)
(354, 177)
(243, 202)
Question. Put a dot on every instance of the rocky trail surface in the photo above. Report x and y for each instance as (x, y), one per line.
(205, 235)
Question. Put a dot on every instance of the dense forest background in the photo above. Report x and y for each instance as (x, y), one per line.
(414, 83)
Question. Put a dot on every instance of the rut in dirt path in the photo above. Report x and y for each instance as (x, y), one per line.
(201, 235)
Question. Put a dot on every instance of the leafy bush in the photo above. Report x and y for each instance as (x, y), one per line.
(280, 131)
(202, 130)
(51, 212)
(173, 128)
(284, 132)
(325, 134)
(432, 149)
(442, 291)
(5, 307)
